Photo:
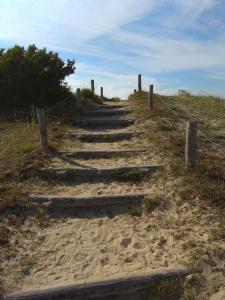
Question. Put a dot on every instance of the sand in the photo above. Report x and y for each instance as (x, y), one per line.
(49, 251)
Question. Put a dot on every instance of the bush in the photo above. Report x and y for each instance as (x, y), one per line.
(115, 99)
(87, 93)
(32, 76)
(184, 93)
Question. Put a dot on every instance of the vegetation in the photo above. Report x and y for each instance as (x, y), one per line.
(151, 204)
(167, 132)
(88, 94)
(32, 76)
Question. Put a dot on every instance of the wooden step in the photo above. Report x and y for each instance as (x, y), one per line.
(107, 112)
(112, 106)
(106, 123)
(104, 137)
(120, 173)
(122, 288)
(90, 201)
(100, 154)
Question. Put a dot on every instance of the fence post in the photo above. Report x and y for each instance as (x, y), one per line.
(42, 122)
(78, 97)
(139, 83)
(93, 86)
(150, 97)
(190, 147)
(102, 95)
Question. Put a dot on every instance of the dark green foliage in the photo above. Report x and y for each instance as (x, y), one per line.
(87, 93)
(32, 76)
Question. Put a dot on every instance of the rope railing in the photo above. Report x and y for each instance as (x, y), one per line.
(211, 141)
(200, 132)
(191, 129)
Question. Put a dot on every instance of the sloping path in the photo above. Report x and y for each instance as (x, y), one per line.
(98, 168)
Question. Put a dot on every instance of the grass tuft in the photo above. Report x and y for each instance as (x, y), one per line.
(150, 204)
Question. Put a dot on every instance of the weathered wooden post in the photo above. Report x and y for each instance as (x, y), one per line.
(78, 97)
(150, 97)
(42, 123)
(102, 95)
(139, 83)
(190, 147)
(93, 86)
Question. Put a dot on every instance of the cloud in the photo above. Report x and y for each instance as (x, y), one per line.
(114, 84)
(66, 23)
(120, 38)
(163, 54)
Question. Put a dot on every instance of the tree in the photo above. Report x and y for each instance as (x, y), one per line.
(32, 76)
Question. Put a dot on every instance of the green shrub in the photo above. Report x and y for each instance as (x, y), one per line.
(26, 148)
(32, 76)
(151, 204)
(184, 93)
(87, 93)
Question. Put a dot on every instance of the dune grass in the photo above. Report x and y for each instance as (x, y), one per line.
(167, 132)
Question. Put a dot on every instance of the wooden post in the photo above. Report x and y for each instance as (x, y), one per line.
(102, 92)
(139, 83)
(190, 147)
(42, 128)
(135, 91)
(150, 97)
(93, 86)
(78, 97)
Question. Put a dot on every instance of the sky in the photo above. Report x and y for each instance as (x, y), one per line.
(174, 44)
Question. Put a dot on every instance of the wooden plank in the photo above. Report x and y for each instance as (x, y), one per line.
(104, 137)
(111, 106)
(86, 202)
(150, 98)
(78, 98)
(95, 173)
(93, 86)
(102, 122)
(123, 287)
(42, 123)
(190, 146)
(100, 154)
(101, 92)
(107, 112)
(139, 83)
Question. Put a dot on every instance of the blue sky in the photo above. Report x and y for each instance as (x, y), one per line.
(174, 44)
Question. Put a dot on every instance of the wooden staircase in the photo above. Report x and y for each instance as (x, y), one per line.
(114, 117)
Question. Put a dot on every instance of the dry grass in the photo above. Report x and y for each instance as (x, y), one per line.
(167, 131)
(20, 150)
(205, 187)
(17, 138)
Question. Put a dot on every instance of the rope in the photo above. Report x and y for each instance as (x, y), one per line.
(202, 134)
(58, 103)
(173, 111)
(209, 140)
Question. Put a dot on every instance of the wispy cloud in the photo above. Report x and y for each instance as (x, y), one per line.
(66, 23)
(114, 40)
(114, 84)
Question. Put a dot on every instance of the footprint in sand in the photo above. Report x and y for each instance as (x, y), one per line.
(57, 278)
(130, 258)
(125, 242)
(138, 245)
(104, 259)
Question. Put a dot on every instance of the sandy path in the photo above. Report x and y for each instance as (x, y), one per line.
(100, 244)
